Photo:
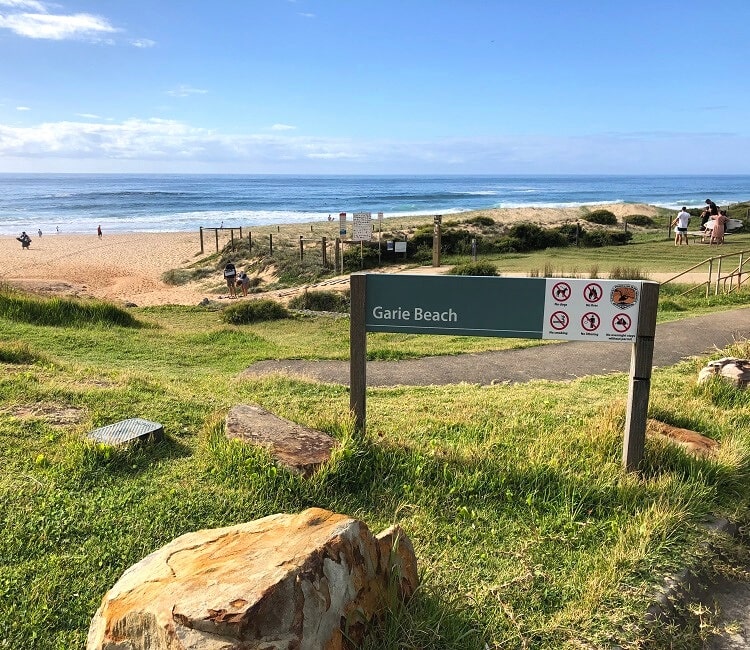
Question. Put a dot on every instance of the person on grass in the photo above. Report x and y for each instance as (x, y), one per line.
(680, 224)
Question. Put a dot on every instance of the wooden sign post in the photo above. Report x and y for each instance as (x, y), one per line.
(615, 311)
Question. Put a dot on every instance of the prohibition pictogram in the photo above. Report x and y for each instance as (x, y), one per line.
(559, 320)
(593, 292)
(561, 291)
(590, 321)
(621, 323)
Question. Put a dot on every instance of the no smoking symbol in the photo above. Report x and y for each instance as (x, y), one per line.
(559, 320)
(593, 292)
(590, 321)
(561, 291)
(621, 323)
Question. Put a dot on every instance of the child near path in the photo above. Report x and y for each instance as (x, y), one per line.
(681, 222)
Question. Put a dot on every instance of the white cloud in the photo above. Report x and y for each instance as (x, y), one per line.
(304, 15)
(142, 42)
(88, 116)
(57, 27)
(186, 91)
(23, 108)
(169, 145)
(283, 127)
(32, 5)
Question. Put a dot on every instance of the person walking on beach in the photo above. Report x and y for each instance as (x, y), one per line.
(680, 223)
(230, 275)
(99, 232)
(40, 232)
(244, 281)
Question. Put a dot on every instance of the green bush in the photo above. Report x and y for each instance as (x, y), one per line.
(176, 277)
(321, 301)
(599, 238)
(474, 268)
(530, 237)
(481, 220)
(254, 311)
(602, 217)
(640, 220)
(356, 259)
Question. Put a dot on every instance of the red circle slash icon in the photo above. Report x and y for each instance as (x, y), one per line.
(590, 321)
(621, 323)
(561, 291)
(559, 320)
(593, 292)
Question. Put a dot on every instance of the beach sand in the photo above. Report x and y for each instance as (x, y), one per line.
(127, 268)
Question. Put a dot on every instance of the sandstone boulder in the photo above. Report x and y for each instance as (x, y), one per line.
(284, 582)
(735, 370)
(691, 441)
(299, 448)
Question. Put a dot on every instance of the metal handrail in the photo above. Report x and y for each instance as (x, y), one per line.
(736, 272)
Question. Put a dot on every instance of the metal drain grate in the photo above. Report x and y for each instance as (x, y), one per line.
(126, 431)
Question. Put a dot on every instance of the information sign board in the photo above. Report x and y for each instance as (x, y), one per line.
(362, 230)
(535, 308)
(342, 223)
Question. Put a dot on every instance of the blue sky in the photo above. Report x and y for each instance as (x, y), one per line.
(365, 86)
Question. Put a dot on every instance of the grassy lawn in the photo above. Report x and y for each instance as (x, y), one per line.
(527, 531)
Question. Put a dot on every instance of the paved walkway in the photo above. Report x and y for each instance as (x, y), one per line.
(675, 341)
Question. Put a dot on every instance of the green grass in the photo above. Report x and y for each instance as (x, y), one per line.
(527, 531)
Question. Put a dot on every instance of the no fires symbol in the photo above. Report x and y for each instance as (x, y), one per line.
(561, 291)
(590, 321)
(593, 292)
(621, 323)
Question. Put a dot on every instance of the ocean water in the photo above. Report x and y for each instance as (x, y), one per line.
(78, 203)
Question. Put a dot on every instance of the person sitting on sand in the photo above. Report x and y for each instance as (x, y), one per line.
(681, 226)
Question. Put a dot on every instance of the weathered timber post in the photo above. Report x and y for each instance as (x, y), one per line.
(201, 234)
(641, 361)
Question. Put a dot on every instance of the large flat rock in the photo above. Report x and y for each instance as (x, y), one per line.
(299, 448)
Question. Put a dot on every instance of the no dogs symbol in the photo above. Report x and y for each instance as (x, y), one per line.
(561, 291)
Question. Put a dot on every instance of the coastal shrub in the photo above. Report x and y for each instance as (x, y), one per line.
(357, 258)
(452, 241)
(321, 301)
(254, 311)
(640, 220)
(481, 220)
(530, 237)
(62, 312)
(601, 217)
(572, 232)
(599, 238)
(474, 268)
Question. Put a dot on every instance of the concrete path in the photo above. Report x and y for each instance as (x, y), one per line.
(674, 342)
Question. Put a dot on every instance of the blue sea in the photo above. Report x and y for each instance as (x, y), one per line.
(78, 203)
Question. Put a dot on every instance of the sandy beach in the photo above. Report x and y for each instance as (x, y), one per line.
(127, 268)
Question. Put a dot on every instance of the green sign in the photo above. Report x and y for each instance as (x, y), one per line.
(460, 305)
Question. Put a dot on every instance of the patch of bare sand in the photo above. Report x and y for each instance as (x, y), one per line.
(128, 267)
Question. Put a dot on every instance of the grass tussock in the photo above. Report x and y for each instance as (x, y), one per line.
(62, 312)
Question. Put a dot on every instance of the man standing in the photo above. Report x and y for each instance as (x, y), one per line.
(681, 225)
